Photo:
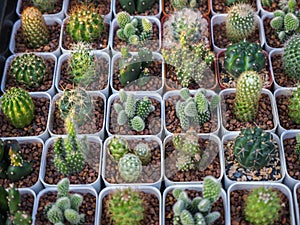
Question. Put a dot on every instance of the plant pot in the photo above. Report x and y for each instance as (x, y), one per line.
(155, 83)
(297, 201)
(152, 173)
(266, 117)
(28, 198)
(63, 79)
(5, 32)
(167, 8)
(193, 177)
(264, 10)
(223, 7)
(48, 87)
(93, 166)
(243, 188)
(247, 175)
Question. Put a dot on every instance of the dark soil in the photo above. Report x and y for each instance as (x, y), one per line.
(275, 6)
(219, 6)
(270, 34)
(103, 6)
(152, 11)
(291, 158)
(57, 7)
(203, 8)
(27, 202)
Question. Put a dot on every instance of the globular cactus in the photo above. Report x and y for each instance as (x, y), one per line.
(140, 6)
(29, 69)
(85, 23)
(244, 56)
(294, 106)
(43, 5)
(18, 107)
(34, 29)
(130, 167)
(248, 93)
(291, 57)
(262, 206)
(181, 4)
(143, 151)
(254, 148)
(126, 207)
(266, 2)
(240, 22)
(117, 147)
(230, 2)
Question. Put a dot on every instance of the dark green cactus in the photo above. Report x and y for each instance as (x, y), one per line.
(140, 6)
(230, 2)
(117, 147)
(130, 167)
(143, 5)
(18, 107)
(267, 2)
(294, 106)
(291, 57)
(45, 6)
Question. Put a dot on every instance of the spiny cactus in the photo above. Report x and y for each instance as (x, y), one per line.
(262, 206)
(291, 57)
(18, 107)
(240, 22)
(181, 4)
(297, 148)
(254, 148)
(126, 207)
(117, 147)
(248, 93)
(294, 106)
(230, 2)
(143, 151)
(244, 56)
(28, 69)
(140, 6)
(267, 2)
(44, 5)
(130, 167)
(85, 23)
(34, 28)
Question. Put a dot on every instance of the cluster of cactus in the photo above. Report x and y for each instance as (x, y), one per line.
(262, 206)
(133, 111)
(12, 165)
(244, 56)
(194, 111)
(294, 106)
(85, 23)
(132, 6)
(254, 148)
(231, 2)
(28, 69)
(10, 212)
(126, 207)
(286, 21)
(134, 30)
(66, 208)
(134, 67)
(18, 107)
(240, 22)
(291, 57)
(181, 4)
(198, 210)
(248, 94)
(297, 148)
(34, 29)
(267, 2)
(43, 5)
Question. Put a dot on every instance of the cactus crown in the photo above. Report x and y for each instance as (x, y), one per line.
(130, 167)
(291, 57)
(43, 5)
(132, 6)
(294, 106)
(117, 147)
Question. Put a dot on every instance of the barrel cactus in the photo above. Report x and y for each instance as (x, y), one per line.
(291, 57)
(130, 167)
(140, 6)
(117, 147)
(18, 107)
(43, 5)
(294, 106)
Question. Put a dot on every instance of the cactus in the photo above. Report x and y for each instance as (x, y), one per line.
(294, 106)
(262, 206)
(266, 2)
(140, 6)
(248, 93)
(143, 151)
(44, 5)
(28, 69)
(85, 23)
(181, 4)
(240, 22)
(130, 167)
(34, 28)
(297, 148)
(117, 147)
(291, 57)
(254, 148)
(126, 207)
(18, 107)
(244, 56)
(231, 2)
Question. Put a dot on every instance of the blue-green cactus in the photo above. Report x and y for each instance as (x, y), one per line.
(130, 167)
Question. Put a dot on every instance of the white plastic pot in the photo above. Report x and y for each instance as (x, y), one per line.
(297, 203)
(216, 13)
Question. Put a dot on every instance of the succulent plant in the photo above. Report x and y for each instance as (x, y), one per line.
(262, 206)
(140, 6)
(230, 2)
(18, 107)
(34, 28)
(248, 93)
(44, 5)
(297, 148)
(291, 57)
(143, 151)
(117, 147)
(181, 4)
(294, 106)
(267, 2)
(130, 167)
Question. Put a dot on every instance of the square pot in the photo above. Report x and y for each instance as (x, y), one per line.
(214, 12)
(205, 10)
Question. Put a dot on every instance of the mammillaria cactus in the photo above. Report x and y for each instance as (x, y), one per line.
(28, 69)
(291, 57)
(244, 56)
(34, 28)
(18, 107)
(140, 6)
(130, 167)
(117, 147)
(262, 206)
(43, 5)
(143, 151)
(254, 148)
(294, 106)
(248, 93)
(181, 4)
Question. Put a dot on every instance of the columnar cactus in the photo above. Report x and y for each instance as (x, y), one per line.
(254, 148)
(28, 69)
(85, 23)
(18, 107)
(291, 57)
(43, 5)
(240, 22)
(34, 28)
(117, 147)
(294, 106)
(248, 93)
(143, 151)
(244, 56)
(130, 167)
(262, 206)
(140, 6)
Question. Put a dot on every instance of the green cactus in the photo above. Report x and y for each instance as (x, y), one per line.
(248, 93)
(297, 148)
(262, 206)
(140, 6)
(294, 106)
(181, 4)
(126, 207)
(117, 147)
(143, 151)
(240, 22)
(43, 5)
(244, 56)
(18, 107)
(267, 2)
(85, 23)
(291, 57)
(231, 2)
(130, 167)
(34, 28)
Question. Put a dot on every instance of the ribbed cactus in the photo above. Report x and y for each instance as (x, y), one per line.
(254, 148)
(18, 107)
(291, 57)
(130, 167)
(294, 106)
(85, 23)
(34, 28)
(248, 93)
(117, 147)
(244, 56)
(126, 207)
(140, 6)
(43, 5)
(262, 206)
(240, 22)
(143, 151)
(267, 2)
(28, 69)
(181, 4)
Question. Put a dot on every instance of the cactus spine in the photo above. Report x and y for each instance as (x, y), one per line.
(294, 106)
(43, 5)
(291, 57)
(130, 167)
(117, 147)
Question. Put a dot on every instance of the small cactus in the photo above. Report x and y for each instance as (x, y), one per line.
(130, 167)
(294, 106)
(231, 2)
(45, 6)
(181, 4)
(140, 6)
(117, 147)
(291, 57)
(297, 148)
(267, 2)
(143, 151)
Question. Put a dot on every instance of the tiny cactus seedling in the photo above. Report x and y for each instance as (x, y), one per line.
(45, 5)
(294, 106)
(130, 167)
(139, 6)
(117, 147)
(291, 57)
(143, 151)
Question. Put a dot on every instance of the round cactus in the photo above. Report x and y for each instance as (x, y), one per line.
(294, 106)
(130, 167)
(143, 151)
(117, 147)
(45, 6)
(291, 57)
